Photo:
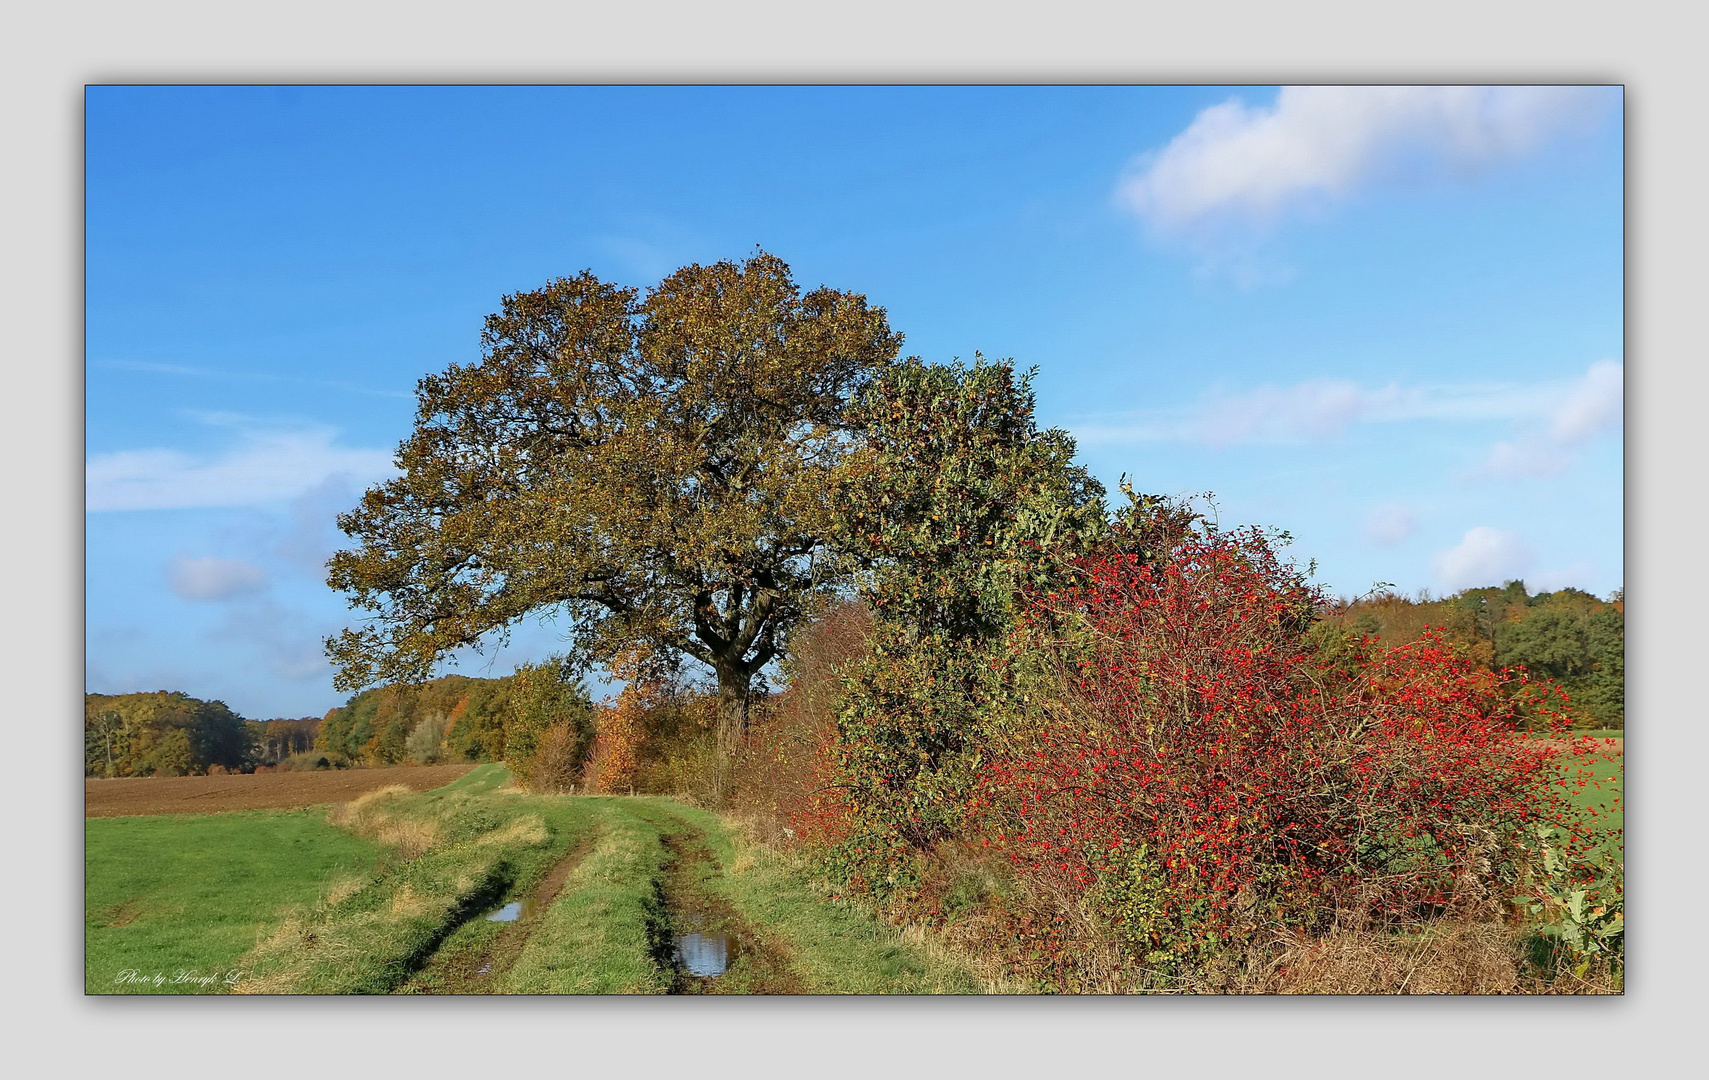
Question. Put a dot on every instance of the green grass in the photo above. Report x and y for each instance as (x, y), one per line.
(481, 846)
(482, 779)
(593, 940)
(390, 898)
(193, 891)
(1604, 797)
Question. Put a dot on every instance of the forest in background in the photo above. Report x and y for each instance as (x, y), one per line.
(1567, 636)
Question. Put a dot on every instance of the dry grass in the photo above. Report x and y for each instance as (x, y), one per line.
(528, 831)
(372, 815)
(1446, 958)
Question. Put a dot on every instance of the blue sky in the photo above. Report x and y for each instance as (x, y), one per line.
(1387, 320)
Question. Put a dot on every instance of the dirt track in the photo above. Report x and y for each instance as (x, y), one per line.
(209, 794)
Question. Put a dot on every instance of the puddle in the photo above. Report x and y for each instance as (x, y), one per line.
(704, 956)
(508, 913)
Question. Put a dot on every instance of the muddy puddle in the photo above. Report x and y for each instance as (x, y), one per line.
(701, 951)
(709, 943)
(516, 909)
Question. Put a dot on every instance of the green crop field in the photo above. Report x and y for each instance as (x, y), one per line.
(180, 897)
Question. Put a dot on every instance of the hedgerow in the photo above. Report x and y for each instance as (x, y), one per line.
(1160, 741)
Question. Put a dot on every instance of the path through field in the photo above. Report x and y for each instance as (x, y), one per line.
(482, 889)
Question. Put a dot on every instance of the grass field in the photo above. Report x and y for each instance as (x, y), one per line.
(388, 893)
(1604, 798)
(178, 895)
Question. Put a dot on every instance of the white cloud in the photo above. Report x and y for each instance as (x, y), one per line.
(1248, 165)
(310, 536)
(267, 466)
(1589, 408)
(189, 371)
(287, 642)
(1484, 556)
(1593, 407)
(211, 578)
(1390, 525)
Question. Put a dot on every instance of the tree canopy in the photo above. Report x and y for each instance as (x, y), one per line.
(653, 468)
(160, 734)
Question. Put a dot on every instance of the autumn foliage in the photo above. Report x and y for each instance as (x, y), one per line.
(1206, 770)
(620, 727)
(1169, 750)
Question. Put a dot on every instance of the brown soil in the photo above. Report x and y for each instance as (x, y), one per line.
(478, 971)
(123, 914)
(259, 791)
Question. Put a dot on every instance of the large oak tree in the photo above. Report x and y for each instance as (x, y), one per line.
(655, 468)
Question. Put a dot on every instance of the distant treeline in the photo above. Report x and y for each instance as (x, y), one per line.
(451, 718)
(166, 733)
(159, 734)
(277, 741)
(1568, 636)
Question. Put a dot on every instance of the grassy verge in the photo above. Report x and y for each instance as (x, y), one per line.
(1604, 798)
(188, 893)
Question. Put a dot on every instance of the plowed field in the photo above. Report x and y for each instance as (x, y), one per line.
(260, 791)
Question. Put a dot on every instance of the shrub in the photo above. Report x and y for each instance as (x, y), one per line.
(611, 766)
(557, 762)
(620, 727)
(781, 767)
(1202, 771)
(957, 501)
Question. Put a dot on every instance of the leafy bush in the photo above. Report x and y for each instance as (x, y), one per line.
(1201, 773)
(956, 502)
(620, 727)
(781, 767)
(557, 762)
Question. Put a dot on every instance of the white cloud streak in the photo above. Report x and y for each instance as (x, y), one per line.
(1318, 411)
(150, 367)
(1250, 165)
(1591, 407)
(265, 467)
(1390, 525)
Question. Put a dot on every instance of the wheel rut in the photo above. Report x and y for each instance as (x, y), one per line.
(479, 971)
(698, 939)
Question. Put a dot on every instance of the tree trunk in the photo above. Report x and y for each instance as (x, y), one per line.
(733, 686)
